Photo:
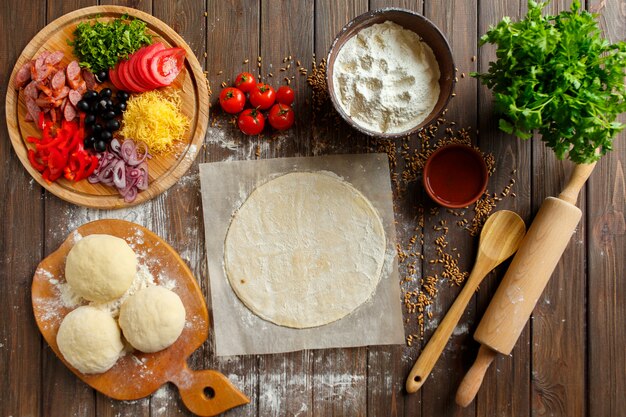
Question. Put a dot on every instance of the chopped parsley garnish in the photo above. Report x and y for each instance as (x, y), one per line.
(100, 45)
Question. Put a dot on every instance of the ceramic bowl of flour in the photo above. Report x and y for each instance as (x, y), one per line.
(390, 72)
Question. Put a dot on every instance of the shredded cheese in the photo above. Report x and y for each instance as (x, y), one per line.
(154, 117)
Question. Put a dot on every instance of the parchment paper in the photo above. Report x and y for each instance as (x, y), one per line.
(238, 331)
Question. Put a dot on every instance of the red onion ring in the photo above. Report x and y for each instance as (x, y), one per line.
(123, 168)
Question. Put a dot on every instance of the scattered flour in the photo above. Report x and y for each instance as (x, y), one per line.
(386, 78)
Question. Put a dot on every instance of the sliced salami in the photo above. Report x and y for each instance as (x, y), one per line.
(89, 78)
(54, 58)
(82, 87)
(64, 92)
(33, 108)
(31, 90)
(58, 81)
(74, 76)
(69, 112)
(74, 97)
(23, 75)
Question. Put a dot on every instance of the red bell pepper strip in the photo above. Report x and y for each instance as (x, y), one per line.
(33, 161)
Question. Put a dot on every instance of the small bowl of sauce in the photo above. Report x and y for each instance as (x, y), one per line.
(455, 176)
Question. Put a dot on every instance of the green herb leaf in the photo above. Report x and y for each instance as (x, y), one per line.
(100, 45)
(558, 76)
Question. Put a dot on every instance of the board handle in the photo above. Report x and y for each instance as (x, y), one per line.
(576, 181)
(206, 392)
(474, 378)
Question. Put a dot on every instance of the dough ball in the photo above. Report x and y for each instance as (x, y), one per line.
(90, 340)
(100, 267)
(152, 319)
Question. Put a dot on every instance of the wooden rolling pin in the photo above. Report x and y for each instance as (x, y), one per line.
(525, 280)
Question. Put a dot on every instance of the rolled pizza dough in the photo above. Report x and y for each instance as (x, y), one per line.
(305, 249)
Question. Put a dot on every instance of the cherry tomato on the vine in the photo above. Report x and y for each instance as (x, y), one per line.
(251, 122)
(281, 116)
(285, 95)
(232, 100)
(262, 96)
(245, 82)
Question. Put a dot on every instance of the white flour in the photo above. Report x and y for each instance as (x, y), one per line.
(386, 79)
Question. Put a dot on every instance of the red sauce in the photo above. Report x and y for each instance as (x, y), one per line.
(456, 175)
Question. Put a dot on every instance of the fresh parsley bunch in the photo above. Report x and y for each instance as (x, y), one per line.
(100, 45)
(557, 75)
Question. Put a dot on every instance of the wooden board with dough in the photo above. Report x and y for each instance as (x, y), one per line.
(136, 374)
(165, 169)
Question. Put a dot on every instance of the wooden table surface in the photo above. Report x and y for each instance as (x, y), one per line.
(569, 361)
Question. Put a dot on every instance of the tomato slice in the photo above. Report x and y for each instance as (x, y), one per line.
(167, 64)
(115, 79)
(131, 68)
(126, 80)
(143, 64)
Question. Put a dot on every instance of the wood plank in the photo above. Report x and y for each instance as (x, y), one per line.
(339, 375)
(21, 241)
(388, 366)
(178, 212)
(606, 265)
(63, 393)
(558, 321)
(285, 380)
(458, 21)
(228, 45)
(506, 388)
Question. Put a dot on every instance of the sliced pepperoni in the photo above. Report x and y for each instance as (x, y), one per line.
(74, 97)
(89, 78)
(54, 58)
(58, 81)
(23, 75)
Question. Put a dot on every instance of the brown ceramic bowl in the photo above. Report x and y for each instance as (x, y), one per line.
(427, 31)
(455, 176)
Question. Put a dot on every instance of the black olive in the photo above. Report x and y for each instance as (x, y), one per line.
(112, 125)
(90, 140)
(106, 136)
(90, 119)
(122, 95)
(105, 93)
(97, 128)
(101, 76)
(102, 104)
(121, 107)
(90, 95)
(108, 115)
(100, 146)
(109, 104)
(82, 105)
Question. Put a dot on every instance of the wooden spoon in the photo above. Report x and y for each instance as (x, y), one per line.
(500, 238)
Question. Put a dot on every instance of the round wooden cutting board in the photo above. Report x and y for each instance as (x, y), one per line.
(136, 374)
(164, 170)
